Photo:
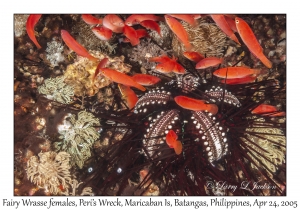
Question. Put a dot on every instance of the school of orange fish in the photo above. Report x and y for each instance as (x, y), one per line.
(103, 29)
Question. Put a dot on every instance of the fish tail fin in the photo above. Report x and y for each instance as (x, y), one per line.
(195, 23)
(161, 19)
(140, 87)
(178, 147)
(266, 62)
(261, 72)
(92, 58)
(212, 108)
(135, 42)
(234, 38)
(38, 45)
(188, 46)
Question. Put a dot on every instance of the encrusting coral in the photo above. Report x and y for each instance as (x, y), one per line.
(56, 89)
(50, 171)
(20, 23)
(272, 140)
(78, 136)
(54, 52)
(80, 74)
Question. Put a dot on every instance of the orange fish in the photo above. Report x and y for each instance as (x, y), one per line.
(102, 33)
(150, 24)
(121, 78)
(179, 31)
(31, 22)
(267, 110)
(278, 114)
(140, 34)
(145, 79)
(250, 41)
(137, 19)
(190, 103)
(160, 59)
(195, 105)
(129, 95)
(114, 23)
(235, 72)
(131, 34)
(187, 18)
(243, 80)
(231, 23)
(197, 16)
(75, 46)
(212, 108)
(231, 16)
(171, 140)
(263, 109)
(101, 65)
(208, 62)
(178, 69)
(224, 26)
(166, 67)
(193, 56)
(90, 19)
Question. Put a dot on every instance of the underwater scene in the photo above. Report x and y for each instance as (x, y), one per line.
(149, 104)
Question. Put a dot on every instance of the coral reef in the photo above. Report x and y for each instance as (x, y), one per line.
(80, 74)
(78, 136)
(54, 52)
(20, 24)
(50, 171)
(56, 89)
(271, 150)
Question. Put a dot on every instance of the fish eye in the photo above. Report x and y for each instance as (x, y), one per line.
(236, 21)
